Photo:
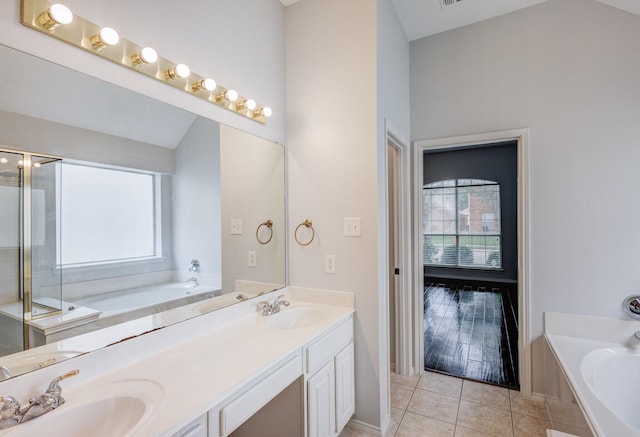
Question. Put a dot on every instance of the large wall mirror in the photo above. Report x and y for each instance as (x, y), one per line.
(149, 208)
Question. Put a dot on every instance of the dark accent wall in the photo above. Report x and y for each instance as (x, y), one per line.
(496, 162)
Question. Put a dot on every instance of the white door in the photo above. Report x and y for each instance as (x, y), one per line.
(345, 387)
(321, 402)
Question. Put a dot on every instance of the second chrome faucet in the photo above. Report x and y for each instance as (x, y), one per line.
(274, 307)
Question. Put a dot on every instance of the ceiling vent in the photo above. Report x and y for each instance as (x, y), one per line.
(447, 3)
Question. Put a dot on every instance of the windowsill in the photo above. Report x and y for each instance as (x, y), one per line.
(109, 264)
(98, 271)
(482, 269)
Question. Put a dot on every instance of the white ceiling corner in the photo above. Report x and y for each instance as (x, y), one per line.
(422, 18)
(632, 6)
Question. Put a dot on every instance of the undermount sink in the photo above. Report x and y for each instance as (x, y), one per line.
(116, 409)
(613, 376)
(294, 317)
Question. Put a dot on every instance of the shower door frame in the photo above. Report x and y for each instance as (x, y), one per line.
(26, 239)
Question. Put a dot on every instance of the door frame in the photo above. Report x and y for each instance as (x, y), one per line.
(402, 212)
(521, 136)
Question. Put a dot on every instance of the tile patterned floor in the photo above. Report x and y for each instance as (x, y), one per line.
(471, 332)
(437, 405)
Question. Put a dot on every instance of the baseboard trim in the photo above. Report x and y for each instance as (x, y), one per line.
(358, 425)
(539, 397)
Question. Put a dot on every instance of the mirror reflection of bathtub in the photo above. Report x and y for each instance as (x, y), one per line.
(207, 173)
(160, 296)
(116, 307)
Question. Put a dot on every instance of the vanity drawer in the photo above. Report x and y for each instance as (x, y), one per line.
(326, 347)
(249, 402)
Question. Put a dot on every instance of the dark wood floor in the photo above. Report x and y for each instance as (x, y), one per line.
(471, 331)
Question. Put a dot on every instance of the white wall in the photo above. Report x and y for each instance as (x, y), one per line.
(332, 145)
(196, 202)
(239, 43)
(20, 132)
(569, 70)
(348, 59)
(393, 60)
(252, 189)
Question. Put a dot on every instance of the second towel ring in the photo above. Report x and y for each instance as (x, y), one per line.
(269, 225)
(307, 224)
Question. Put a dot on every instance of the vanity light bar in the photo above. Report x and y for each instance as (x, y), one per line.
(58, 21)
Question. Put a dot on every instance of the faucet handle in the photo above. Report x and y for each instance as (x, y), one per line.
(54, 387)
(10, 407)
(277, 299)
(194, 266)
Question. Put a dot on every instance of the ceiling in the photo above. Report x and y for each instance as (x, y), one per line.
(422, 18)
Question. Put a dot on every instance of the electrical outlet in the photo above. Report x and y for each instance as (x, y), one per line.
(352, 227)
(329, 263)
(236, 226)
(252, 258)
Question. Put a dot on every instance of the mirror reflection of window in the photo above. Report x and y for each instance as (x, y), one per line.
(107, 214)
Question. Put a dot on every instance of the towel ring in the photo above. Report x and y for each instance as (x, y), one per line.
(269, 225)
(307, 224)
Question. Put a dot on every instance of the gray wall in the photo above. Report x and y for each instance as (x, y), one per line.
(252, 189)
(569, 70)
(196, 201)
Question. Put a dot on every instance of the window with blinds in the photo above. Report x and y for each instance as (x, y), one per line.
(461, 224)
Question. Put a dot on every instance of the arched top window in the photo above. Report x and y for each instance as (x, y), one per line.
(461, 223)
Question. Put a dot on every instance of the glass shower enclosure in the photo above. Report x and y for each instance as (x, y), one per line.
(30, 274)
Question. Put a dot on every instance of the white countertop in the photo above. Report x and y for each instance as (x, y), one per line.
(198, 363)
(571, 337)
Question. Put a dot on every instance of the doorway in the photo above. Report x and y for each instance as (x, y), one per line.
(466, 286)
(398, 262)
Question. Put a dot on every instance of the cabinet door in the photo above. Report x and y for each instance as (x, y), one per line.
(321, 417)
(345, 387)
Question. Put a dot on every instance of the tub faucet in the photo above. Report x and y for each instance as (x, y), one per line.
(5, 373)
(273, 308)
(13, 414)
(193, 281)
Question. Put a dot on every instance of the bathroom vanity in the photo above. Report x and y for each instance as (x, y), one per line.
(223, 373)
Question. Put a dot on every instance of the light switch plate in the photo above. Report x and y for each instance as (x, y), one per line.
(236, 226)
(252, 258)
(352, 227)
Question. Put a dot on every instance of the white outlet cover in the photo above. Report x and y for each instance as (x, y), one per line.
(329, 263)
(251, 262)
(236, 226)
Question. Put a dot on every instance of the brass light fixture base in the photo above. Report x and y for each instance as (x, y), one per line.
(81, 32)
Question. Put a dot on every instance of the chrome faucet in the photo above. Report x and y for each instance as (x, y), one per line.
(5, 373)
(194, 282)
(273, 308)
(12, 413)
